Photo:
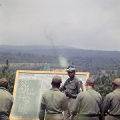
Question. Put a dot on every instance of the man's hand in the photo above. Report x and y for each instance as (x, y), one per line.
(68, 94)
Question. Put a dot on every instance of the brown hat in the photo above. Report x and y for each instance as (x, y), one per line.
(90, 81)
(3, 82)
(116, 81)
(57, 79)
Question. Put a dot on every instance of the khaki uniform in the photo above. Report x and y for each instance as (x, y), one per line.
(53, 103)
(6, 101)
(71, 89)
(111, 105)
(87, 105)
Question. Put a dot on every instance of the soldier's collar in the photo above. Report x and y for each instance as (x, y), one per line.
(72, 79)
(89, 89)
(3, 88)
(117, 89)
(55, 89)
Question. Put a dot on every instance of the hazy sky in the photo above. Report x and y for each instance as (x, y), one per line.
(85, 24)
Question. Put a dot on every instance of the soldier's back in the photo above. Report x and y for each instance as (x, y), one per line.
(89, 102)
(54, 99)
(88, 105)
(111, 104)
(6, 101)
(55, 102)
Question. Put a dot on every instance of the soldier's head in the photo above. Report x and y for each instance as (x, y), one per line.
(3, 82)
(56, 81)
(90, 82)
(71, 71)
(116, 83)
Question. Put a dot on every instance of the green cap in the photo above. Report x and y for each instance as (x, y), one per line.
(116, 81)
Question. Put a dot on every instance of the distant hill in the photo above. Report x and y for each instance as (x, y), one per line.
(85, 60)
(55, 51)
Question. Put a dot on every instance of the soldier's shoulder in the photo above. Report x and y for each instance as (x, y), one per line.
(97, 93)
(67, 80)
(78, 80)
(82, 94)
(10, 95)
(46, 93)
(110, 95)
(61, 93)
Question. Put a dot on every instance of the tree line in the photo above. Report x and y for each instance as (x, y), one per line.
(103, 81)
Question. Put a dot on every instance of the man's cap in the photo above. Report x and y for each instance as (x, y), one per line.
(3, 82)
(57, 79)
(90, 81)
(116, 81)
(70, 68)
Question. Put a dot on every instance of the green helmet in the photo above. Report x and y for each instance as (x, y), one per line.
(70, 68)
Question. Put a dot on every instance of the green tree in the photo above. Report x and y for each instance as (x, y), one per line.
(104, 84)
(5, 69)
(10, 76)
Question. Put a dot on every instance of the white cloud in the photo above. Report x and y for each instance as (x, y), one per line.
(87, 24)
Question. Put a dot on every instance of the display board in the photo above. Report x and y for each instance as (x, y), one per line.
(28, 89)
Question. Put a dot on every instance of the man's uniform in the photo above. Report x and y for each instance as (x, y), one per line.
(6, 101)
(87, 105)
(53, 103)
(111, 105)
(71, 89)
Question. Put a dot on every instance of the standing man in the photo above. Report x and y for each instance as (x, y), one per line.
(71, 88)
(53, 102)
(88, 103)
(111, 103)
(6, 100)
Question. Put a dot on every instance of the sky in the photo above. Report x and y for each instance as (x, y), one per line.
(83, 24)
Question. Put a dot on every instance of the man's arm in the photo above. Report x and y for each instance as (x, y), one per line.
(78, 86)
(62, 88)
(106, 104)
(81, 85)
(101, 116)
(42, 109)
(76, 105)
(64, 103)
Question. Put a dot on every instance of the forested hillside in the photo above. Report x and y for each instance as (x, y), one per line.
(104, 65)
(38, 58)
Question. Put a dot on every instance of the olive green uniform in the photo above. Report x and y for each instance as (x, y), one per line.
(111, 105)
(87, 105)
(6, 101)
(71, 88)
(53, 103)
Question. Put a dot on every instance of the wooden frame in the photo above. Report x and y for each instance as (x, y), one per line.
(38, 72)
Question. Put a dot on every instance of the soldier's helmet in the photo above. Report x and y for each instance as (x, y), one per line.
(56, 80)
(3, 82)
(116, 81)
(90, 81)
(70, 68)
